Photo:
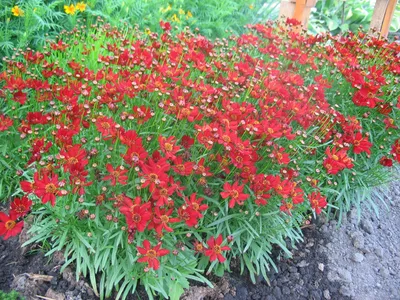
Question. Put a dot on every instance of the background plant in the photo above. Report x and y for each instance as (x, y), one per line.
(342, 16)
(43, 19)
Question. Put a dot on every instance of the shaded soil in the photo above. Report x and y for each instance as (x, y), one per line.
(21, 272)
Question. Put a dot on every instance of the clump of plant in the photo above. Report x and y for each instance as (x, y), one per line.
(13, 295)
(156, 159)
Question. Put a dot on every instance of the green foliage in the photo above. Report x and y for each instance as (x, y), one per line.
(342, 16)
(41, 20)
(13, 295)
(214, 18)
(10, 160)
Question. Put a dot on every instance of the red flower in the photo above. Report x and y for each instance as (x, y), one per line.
(396, 150)
(20, 206)
(29, 187)
(137, 215)
(166, 26)
(187, 141)
(161, 219)
(286, 207)
(116, 175)
(5, 123)
(337, 160)
(162, 192)
(280, 156)
(149, 254)
(386, 162)
(8, 225)
(141, 114)
(201, 169)
(135, 155)
(182, 168)
(106, 126)
(73, 156)
(361, 144)
(317, 202)
(198, 247)
(47, 189)
(214, 251)
(195, 204)
(20, 97)
(189, 215)
(168, 146)
(130, 138)
(154, 173)
(235, 193)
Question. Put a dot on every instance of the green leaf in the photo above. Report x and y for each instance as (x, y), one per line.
(175, 291)
(81, 238)
(332, 24)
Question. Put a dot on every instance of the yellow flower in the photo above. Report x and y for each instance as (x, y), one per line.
(189, 15)
(251, 6)
(16, 11)
(147, 31)
(69, 10)
(80, 6)
(175, 18)
(181, 11)
(164, 10)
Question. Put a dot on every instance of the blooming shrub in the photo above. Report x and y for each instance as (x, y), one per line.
(153, 159)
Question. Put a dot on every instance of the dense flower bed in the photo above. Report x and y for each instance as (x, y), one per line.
(153, 159)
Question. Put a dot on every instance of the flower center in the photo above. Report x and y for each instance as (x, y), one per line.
(151, 254)
(199, 247)
(168, 146)
(51, 188)
(20, 209)
(10, 224)
(136, 218)
(153, 177)
(164, 192)
(105, 125)
(226, 139)
(72, 160)
(234, 194)
(217, 249)
(164, 219)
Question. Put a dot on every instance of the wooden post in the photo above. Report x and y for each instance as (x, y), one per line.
(286, 9)
(382, 16)
(297, 9)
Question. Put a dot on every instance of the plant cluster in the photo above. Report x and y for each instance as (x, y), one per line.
(152, 158)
